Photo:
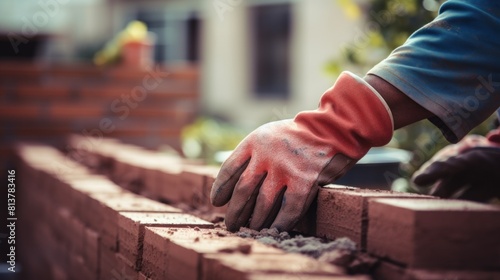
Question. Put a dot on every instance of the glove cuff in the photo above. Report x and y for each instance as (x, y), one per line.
(494, 136)
(352, 117)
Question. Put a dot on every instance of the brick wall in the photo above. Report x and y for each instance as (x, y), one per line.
(116, 211)
(44, 103)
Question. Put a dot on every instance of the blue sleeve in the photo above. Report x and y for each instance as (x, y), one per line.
(451, 66)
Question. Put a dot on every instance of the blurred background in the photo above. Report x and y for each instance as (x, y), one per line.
(192, 77)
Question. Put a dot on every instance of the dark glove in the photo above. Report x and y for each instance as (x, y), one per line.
(467, 170)
(274, 174)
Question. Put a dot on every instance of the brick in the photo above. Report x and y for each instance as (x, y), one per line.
(132, 228)
(20, 111)
(75, 110)
(199, 180)
(78, 196)
(390, 271)
(108, 264)
(141, 276)
(176, 253)
(343, 211)
(90, 251)
(57, 272)
(170, 188)
(105, 210)
(304, 276)
(43, 91)
(431, 234)
(78, 270)
(154, 254)
(125, 268)
(239, 266)
(187, 248)
(105, 92)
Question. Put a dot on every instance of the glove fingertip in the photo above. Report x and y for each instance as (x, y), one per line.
(216, 198)
(422, 180)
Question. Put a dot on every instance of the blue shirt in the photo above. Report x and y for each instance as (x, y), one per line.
(451, 66)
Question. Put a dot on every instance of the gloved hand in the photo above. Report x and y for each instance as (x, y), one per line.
(274, 174)
(467, 170)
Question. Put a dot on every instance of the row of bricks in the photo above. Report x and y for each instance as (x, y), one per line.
(78, 111)
(158, 176)
(343, 211)
(129, 237)
(61, 129)
(29, 71)
(165, 92)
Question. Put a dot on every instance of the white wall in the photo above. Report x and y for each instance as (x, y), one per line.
(320, 29)
(71, 23)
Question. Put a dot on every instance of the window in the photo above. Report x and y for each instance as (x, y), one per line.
(177, 35)
(271, 28)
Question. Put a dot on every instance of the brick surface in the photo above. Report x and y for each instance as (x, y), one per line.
(124, 268)
(176, 253)
(154, 253)
(132, 229)
(78, 270)
(105, 209)
(108, 264)
(141, 276)
(186, 249)
(440, 234)
(343, 211)
(90, 252)
(390, 271)
(78, 110)
(169, 188)
(20, 111)
(44, 92)
(260, 276)
(239, 266)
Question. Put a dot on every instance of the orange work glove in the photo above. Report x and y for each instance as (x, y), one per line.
(274, 174)
(469, 169)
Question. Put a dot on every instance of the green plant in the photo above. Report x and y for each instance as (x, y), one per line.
(206, 136)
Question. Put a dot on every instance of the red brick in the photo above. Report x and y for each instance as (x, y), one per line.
(75, 110)
(154, 254)
(132, 228)
(304, 276)
(105, 210)
(78, 270)
(19, 111)
(343, 211)
(43, 91)
(57, 272)
(125, 268)
(170, 188)
(239, 266)
(390, 271)
(90, 251)
(79, 191)
(106, 92)
(141, 276)
(47, 130)
(430, 234)
(176, 253)
(108, 265)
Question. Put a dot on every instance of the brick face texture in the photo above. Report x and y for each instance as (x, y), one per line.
(47, 102)
(96, 219)
(343, 211)
(462, 234)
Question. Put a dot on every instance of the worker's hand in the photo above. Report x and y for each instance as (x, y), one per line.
(467, 170)
(275, 172)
